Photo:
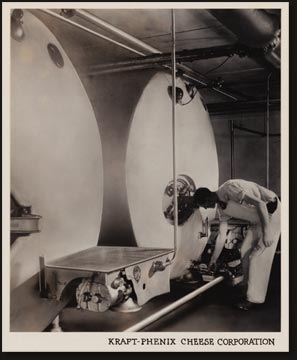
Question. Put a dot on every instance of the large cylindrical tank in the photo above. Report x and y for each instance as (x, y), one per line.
(56, 155)
(149, 166)
(101, 183)
(134, 113)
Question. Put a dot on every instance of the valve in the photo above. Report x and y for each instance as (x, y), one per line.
(156, 266)
(185, 188)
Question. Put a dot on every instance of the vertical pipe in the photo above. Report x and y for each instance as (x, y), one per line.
(42, 278)
(173, 67)
(267, 132)
(232, 147)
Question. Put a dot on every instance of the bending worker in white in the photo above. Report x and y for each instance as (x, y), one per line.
(249, 201)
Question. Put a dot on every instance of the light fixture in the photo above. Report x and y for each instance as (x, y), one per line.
(67, 13)
(178, 93)
(17, 31)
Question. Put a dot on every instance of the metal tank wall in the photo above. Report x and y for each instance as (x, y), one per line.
(134, 114)
(56, 156)
(100, 183)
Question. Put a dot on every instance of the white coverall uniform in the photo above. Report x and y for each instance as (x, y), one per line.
(256, 258)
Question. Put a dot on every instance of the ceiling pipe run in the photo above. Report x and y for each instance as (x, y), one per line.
(83, 28)
(184, 56)
(106, 26)
(255, 28)
(186, 71)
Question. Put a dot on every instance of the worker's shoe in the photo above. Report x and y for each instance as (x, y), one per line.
(246, 305)
(191, 278)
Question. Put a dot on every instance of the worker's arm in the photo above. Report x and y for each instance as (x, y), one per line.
(221, 239)
(263, 215)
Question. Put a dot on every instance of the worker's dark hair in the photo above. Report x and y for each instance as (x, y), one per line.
(201, 195)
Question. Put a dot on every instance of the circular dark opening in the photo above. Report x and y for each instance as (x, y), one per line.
(55, 55)
(185, 190)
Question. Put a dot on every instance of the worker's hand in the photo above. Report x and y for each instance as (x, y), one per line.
(267, 238)
(212, 266)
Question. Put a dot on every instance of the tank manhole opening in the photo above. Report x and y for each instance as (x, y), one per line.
(185, 190)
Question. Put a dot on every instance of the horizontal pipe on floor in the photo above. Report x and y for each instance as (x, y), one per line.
(149, 320)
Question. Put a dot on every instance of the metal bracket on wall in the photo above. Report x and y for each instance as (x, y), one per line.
(22, 221)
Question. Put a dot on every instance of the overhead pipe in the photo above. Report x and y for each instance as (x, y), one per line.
(65, 19)
(253, 27)
(118, 69)
(106, 26)
(184, 55)
(81, 27)
(189, 73)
